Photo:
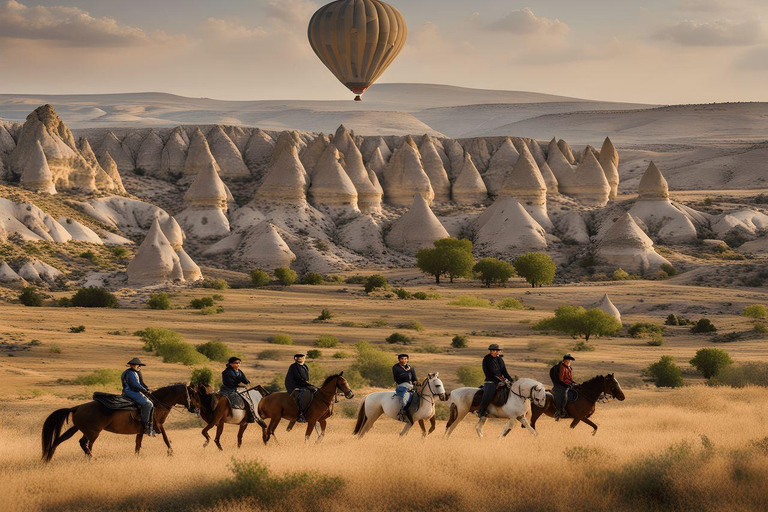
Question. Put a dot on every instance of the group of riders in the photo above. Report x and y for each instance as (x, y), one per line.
(297, 383)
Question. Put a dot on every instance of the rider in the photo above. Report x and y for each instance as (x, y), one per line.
(134, 389)
(495, 373)
(232, 378)
(297, 382)
(405, 378)
(562, 378)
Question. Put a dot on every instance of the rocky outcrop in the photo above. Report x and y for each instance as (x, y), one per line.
(506, 229)
(199, 155)
(80, 232)
(435, 170)
(311, 154)
(376, 163)
(526, 184)
(607, 306)
(371, 144)
(258, 151)
(469, 187)
(9, 277)
(368, 196)
(501, 165)
(36, 271)
(561, 168)
(37, 175)
(550, 180)
(404, 176)
(156, 261)
(259, 246)
(149, 157)
(112, 145)
(363, 235)
(565, 149)
(418, 228)
(227, 155)
(174, 154)
(455, 153)
(286, 180)
(206, 203)
(590, 185)
(626, 246)
(653, 185)
(332, 190)
(189, 269)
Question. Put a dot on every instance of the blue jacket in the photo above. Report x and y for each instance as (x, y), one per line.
(133, 382)
(231, 378)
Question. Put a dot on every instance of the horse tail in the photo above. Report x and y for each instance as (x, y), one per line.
(454, 414)
(52, 430)
(361, 418)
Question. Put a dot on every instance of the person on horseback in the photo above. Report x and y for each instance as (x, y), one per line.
(405, 379)
(562, 380)
(495, 375)
(297, 383)
(231, 379)
(134, 389)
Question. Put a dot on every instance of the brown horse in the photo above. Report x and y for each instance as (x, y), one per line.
(281, 405)
(216, 410)
(584, 406)
(92, 417)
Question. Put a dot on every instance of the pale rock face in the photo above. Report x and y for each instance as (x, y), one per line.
(404, 176)
(609, 160)
(626, 246)
(607, 306)
(363, 235)
(455, 153)
(258, 151)
(9, 276)
(590, 185)
(130, 216)
(507, 228)
(332, 190)
(112, 145)
(759, 246)
(368, 198)
(665, 219)
(173, 232)
(312, 153)
(131, 144)
(653, 185)
(207, 200)
(36, 271)
(259, 246)
(204, 223)
(588, 149)
(526, 184)
(150, 154)
(103, 180)
(239, 136)
(612, 177)
(418, 228)
(7, 144)
(37, 175)
(608, 153)
(85, 149)
(207, 189)
(561, 168)
(375, 181)
(156, 261)
(227, 155)
(480, 150)
(469, 187)
(80, 232)
(371, 144)
(501, 165)
(747, 221)
(199, 155)
(537, 152)
(572, 226)
(565, 149)
(189, 268)
(376, 163)
(286, 180)
(435, 170)
(174, 153)
(549, 179)
(110, 169)
(30, 222)
(409, 141)
(285, 140)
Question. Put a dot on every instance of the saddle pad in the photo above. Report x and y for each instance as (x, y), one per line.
(236, 402)
(115, 402)
(573, 395)
(414, 402)
(501, 396)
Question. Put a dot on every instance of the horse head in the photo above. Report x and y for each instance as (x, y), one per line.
(193, 400)
(343, 386)
(613, 388)
(539, 395)
(435, 386)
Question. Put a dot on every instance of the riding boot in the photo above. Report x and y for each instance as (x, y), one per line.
(301, 418)
(149, 430)
(408, 416)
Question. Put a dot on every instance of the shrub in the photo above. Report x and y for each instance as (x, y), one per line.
(325, 314)
(64, 302)
(326, 341)
(159, 301)
(170, 346)
(76, 329)
(420, 296)
(402, 293)
(276, 385)
(755, 311)
(710, 361)
(340, 355)
(620, 274)
(470, 301)
(398, 337)
(760, 328)
(286, 276)
(374, 365)
(460, 341)
(55, 349)
(493, 271)
(312, 278)
(30, 297)
(119, 252)
(672, 320)
(280, 339)
(202, 376)
(375, 281)
(314, 354)
(201, 303)
(211, 310)
(429, 348)
(215, 351)
(509, 303)
(269, 354)
(668, 269)
(88, 255)
(704, 325)
(259, 278)
(537, 268)
(742, 375)
(577, 321)
(355, 279)
(102, 377)
(216, 284)
(470, 376)
(728, 337)
(665, 373)
(94, 297)
(583, 346)
(656, 340)
(642, 329)
(411, 324)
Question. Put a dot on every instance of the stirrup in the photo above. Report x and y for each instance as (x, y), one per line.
(301, 419)
(149, 431)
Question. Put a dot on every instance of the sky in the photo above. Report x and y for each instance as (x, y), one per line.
(646, 51)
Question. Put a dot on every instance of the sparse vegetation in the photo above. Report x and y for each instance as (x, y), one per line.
(77, 329)
(280, 339)
(665, 373)
(375, 282)
(216, 284)
(620, 275)
(537, 268)
(494, 271)
(668, 269)
(470, 375)
(704, 326)
(742, 375)
(755, 312)
(373, 365)
(159, 301)
(201, 303)
(577, 321)
(509, 303)
(644, 329)
(314, 354)
(203, 375)
(94, 297)
(215, 351)
(259, 278)
(269, 354)
(312, 278)
(460, 341)
(30, 297)
(711, 361)
(398, 338)
(325, 315)
(286, 276)
(412, 325)
(106, 377)
(402, 293)
(170, 346)
(326, 341)
(470, 301)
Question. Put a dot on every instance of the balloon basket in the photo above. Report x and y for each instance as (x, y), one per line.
(358, 98)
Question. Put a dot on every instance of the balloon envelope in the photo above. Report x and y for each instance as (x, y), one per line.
(357, 40)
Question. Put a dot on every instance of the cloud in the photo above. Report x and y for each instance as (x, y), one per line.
(70, 26)
(290, 12)
(524, 22)
(230, 31)
(715, 33)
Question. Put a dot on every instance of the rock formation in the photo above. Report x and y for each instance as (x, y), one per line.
(549, 179)
(174, 154)
(363, 235)
(199, 155)
(110, 169)
(206, 205)
(227, 155)
(608, 153)
(404, 176)
(286, 180)
(189, 268)
(111, 144)
(455, 153)
(607, 306)
(79, 232)
(8, 276)
(626, 246)
(526, 184)
(37, 175)
(435, 169)
(469, 187)
(259, 246)
(150, 154)
(332, 191)
(156, 261)
(506, 228)
(36, 271)
(258, 151)
(376, 163)
(371, 144)
(565, 149)
(368, 197)
(561, 168)
(589, 184)
(501, 165)
(418, 228)
(311, 154)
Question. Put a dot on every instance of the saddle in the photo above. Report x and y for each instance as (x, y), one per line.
(115, 402)
(303, 398)
(500, 397)
(236, 401)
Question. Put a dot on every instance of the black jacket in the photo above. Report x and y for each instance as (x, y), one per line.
(494, 368)
(231, 378)
(402, 375)
(297, 377)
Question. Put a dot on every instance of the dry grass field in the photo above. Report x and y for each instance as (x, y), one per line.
(694, 448)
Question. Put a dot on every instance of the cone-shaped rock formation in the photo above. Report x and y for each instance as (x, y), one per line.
(418, 228)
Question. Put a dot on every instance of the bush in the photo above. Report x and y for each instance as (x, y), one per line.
(215, 351)
(420, 296)
(493, 271)
(202, 376)
(583, 346)
(30, 298)
(276, 385)
(76, 329)
(325, 314)
(119, 252)
(470, 301)
(665, 373)
(742, 375)
(286, 276)
(620, 274)
(656, 340)
(170, 346)
(398, 337)
(374, 365)
(326, 341)
(94, 297)
(280, 339)
(703, 326)
(710, 361)
(537, 268)
(216, 284)
(642, 329)
(460, 341)
(470, 376)
(103, 377)
(340, 355)
(312, 278)
(577, 321)
(375, 281)
(672, 320)
(159, 301)
(259, 278)
(728, 337)
(202, 303)
(509, 303)
(211, 310)
(668, 269)
(450, 257)
(411, 324)
(314, 354)
(269, 354)
(64, 302)
(760, 328)
(755, 311)
(355, 279)
(402, 293)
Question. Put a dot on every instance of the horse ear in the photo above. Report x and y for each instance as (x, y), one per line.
(341, 373)
(437, 374)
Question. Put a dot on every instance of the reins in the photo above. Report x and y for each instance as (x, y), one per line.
(157, 400)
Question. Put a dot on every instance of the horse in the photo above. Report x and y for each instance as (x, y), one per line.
(277, 406)
(584, 406)
(216, 410)
(92, 418)
(520, 391)
(385, 402)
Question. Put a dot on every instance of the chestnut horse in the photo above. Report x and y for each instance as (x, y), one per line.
(92, 417)
(281, 405)
(216, 410)
(584, 406)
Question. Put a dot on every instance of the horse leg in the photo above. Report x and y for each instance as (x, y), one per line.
(273, 422)
(63, 437)
(219, 431)
(591, 424)
(84, 445)
(167, 441)
(452, 422)
(432, 424)
(524, 422)
(405, 430)
(139, 437)
(575, 422)
(506, 429)
(86, 442)
(308, 432)
(240, 433)
(480, 425)
(423, 429)
(321, 429)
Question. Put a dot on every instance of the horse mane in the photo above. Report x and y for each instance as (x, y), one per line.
(329, 378)
(593, 380)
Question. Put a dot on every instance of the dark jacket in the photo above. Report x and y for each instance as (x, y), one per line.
(133, 381)
(403, 375)
(297, 377)
(494, 368)
(231, 378)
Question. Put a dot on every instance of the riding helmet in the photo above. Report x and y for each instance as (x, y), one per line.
(135, 361)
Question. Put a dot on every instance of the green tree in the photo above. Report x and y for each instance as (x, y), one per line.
(577, 321)
(537, 268)
(94, 297)
(286, 276)
(493, 270)
(29, 297)
(259, 278)
(450, 257)
(373, 282)
(159, 301)
(312, 278)
(215, 350)
(665, 373)
(710, 361)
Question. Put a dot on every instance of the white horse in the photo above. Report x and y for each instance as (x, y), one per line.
(520, 392)
(385, 402)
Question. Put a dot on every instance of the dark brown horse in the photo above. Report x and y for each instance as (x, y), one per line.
(216, 410)
(281, 405)
(92, 418)
(584, 406)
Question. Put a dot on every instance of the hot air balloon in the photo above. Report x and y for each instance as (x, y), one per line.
(357, 40)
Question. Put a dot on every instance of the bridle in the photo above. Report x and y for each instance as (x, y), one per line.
(530, 397)
(188, 405)
(427, 384)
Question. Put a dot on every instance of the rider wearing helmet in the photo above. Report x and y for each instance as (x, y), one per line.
(562, 379)
(495, 373)
(405, 379)
(134, 389)
(297, 382)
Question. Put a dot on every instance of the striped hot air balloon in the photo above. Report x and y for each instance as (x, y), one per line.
(357, 40)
